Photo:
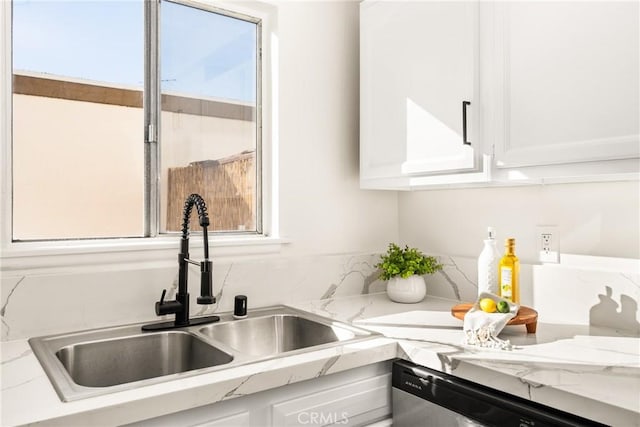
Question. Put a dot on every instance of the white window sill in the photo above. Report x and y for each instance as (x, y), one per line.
(63, 254)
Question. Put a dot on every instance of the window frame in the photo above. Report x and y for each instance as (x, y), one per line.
(28, 254)
(153, 87)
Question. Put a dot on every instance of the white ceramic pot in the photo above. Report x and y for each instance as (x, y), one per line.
(409, 290)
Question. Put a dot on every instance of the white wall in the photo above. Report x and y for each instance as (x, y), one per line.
(601, 219)
(322, 208)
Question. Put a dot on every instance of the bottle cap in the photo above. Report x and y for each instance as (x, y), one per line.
(510, 242)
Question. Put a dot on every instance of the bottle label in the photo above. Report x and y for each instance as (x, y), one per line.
(506, 277)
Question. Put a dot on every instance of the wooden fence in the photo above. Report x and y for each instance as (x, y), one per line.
(227, 185)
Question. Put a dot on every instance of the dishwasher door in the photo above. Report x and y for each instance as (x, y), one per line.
(412, 411)
(425, 397)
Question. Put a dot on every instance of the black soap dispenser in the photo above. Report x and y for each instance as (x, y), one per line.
(240, 307)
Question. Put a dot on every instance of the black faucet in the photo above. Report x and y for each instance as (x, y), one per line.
(180, 306)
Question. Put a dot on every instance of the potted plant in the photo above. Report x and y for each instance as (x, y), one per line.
(403, 268)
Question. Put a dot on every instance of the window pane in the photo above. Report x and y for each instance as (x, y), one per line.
(209, 115)
(77, 119)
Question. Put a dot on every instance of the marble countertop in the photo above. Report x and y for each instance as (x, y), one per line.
(591, 372)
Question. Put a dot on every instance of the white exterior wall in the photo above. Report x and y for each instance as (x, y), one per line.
(88, 150)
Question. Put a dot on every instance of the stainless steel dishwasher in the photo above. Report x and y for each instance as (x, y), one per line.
(425, 397)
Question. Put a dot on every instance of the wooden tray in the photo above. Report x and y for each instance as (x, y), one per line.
(526, 316)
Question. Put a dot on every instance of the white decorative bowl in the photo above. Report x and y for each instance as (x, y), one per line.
(408, 291)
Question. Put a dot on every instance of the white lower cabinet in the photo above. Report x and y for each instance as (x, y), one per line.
(355, 403)
(358, 397)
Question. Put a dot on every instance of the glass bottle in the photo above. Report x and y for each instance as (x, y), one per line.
(509, 273)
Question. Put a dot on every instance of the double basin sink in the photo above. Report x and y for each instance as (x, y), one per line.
(102, 361)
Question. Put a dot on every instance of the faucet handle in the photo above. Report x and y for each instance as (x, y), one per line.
(167, 307)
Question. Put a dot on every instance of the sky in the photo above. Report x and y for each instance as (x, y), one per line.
(201, 53)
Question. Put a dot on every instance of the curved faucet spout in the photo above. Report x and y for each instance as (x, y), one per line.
(201, 207)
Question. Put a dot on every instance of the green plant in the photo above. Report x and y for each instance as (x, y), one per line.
(406, 262)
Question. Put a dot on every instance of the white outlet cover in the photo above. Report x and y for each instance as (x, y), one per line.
(549, 257)
(551, 254)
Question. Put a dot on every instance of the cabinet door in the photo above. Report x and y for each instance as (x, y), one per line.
(356, 403)
(567, 82)
(354, 397)
(418, 66)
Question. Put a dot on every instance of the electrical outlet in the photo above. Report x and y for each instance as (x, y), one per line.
(545, 243)
(548, 243)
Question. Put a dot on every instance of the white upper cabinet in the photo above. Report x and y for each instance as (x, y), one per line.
(565, 82)
(419, 112)
(550, 90)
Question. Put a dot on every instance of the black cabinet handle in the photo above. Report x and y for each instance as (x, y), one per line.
(464, 122)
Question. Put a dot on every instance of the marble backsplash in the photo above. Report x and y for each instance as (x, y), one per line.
(41, 304)
(580, 290)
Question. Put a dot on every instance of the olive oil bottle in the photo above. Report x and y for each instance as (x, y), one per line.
(509, 273)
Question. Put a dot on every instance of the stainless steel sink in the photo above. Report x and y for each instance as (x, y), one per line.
(102, 361)
(275, 334)
(119, 361)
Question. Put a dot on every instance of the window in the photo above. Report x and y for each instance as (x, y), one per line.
(77, 119)
(209, 111)
(106, 144)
